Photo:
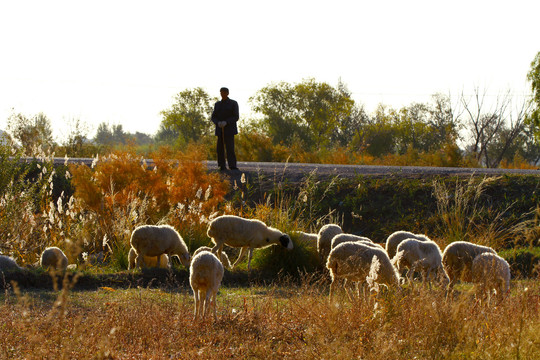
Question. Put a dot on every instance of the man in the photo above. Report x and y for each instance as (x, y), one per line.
(225, 116)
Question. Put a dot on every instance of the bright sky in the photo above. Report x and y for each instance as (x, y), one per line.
(122, 62)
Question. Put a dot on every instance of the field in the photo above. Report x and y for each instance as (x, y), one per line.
(283, 320)
(279, 310)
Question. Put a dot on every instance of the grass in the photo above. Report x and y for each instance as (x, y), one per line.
(281, 320)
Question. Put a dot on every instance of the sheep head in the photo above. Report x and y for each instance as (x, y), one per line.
(286, 241)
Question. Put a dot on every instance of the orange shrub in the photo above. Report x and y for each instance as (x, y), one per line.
(124, 192)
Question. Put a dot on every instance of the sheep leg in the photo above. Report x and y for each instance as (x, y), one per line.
(139, 260)
(241, 256)
(207, 302)
(196, 298)
(214, 303)
(216, 250)
(249, 259)
(332, 288)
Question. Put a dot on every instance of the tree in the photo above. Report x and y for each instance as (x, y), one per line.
(311, 112)
(533, 119)
(493, 132)
(111, 135)
(189, 116)
(31, 132)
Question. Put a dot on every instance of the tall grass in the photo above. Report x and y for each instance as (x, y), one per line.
(282, 320)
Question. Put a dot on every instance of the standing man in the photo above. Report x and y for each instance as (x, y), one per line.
(225, 116)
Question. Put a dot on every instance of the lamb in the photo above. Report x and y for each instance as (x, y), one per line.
(206, 273)
(155, 240)
(247, 234)
(223, 258)
(353, 261)
(457, 260)
(8, 264)
(397, 237)
(423, 255)
(53, 258)
(341, 238)
(324, 239)
(491, 272)
(151, 261)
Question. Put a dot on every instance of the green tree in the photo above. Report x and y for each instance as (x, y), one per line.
(189, 116)
(31, 131)
(311, 112)
(533, 119)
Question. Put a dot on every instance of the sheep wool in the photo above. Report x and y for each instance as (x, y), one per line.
(224, 258)
(150, 261)
(247, 234)
(457, 260)
(491, 272)
(425, 256)
(324, 239)
(352, 261)
(53, 258)
(205, 275)
(8, 264)
(155, 240)
(341, 238)
(397, 237)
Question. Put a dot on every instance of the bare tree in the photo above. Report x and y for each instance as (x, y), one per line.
(492, 128)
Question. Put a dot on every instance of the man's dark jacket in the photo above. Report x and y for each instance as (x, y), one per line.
(226, 110)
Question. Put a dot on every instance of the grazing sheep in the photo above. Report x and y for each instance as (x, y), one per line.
(151, 261)
(155, 240)
(247, 234)
(205, 275)
(53, 258)
(423, 255)
(223, 258)
(324, 239)
(353, 261)
(309, 239)
(341, 238)
(395, 238)
(457, 260)
(8, 264)
(491, 272)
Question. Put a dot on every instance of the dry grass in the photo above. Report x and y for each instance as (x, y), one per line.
(274, 322)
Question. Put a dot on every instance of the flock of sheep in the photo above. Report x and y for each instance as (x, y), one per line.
(347, 257)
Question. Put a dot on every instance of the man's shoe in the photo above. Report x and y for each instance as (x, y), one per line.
(234, 168)
(222, 168)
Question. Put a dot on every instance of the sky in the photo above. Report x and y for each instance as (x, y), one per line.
(122, 62)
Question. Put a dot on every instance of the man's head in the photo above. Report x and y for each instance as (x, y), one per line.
(224, 93)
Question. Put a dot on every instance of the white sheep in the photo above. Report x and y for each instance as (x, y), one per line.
(223, 258)
(155, 240)
(309, 239)
(206, 273)
(151, 261)
(457, 260)
(395, 238)
(247, 234)
(53, 258)
(8, 264)
(491, 272)
(341, 238)
(425, 256)
(353, 261)
(324, 239)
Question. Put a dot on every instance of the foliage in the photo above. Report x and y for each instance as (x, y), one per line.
(189, 117)
(31, 132)
(308, 112)
(122, 192)
(534, 77)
